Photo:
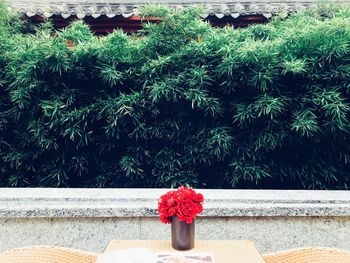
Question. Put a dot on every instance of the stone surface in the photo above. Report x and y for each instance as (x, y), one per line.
(88, 219)
(52, 203)
(24, 232)
(272, 233)
(335, 231)
(152, 228)
(269, 234)
(211, 228)
(92, 234)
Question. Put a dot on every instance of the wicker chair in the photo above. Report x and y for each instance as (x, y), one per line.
(46, 254)
(309, 255)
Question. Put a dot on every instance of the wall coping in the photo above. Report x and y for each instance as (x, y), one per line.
(128, 8)
(58, 202)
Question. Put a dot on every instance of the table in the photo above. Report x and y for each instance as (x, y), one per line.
(225, 251)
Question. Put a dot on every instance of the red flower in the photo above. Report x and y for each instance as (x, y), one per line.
(183, 202)
(187, 211)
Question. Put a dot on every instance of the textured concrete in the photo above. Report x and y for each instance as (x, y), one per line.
(93, 234)
(23, 232)
(25, 203)
(88, 219)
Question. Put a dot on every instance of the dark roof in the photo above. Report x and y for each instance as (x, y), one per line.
(128, 8)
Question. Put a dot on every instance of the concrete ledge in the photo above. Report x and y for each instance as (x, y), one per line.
(88, 219)
(52, 203)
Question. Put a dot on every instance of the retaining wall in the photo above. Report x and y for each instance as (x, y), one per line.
(88, 219)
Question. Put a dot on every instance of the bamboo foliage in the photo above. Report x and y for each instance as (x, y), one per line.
(178, 102)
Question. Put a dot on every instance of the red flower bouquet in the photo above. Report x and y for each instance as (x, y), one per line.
(184, 203)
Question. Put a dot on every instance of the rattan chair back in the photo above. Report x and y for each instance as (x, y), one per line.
(309, 255)
(46, 254)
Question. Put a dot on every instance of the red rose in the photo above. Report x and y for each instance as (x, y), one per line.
(186, 211)
(183, 202)
(171, 202)
(172, 211)
(199, 198)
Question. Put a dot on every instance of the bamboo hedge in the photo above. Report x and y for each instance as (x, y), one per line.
(179, 102)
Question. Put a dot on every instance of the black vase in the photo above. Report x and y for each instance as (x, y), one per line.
(182, 234)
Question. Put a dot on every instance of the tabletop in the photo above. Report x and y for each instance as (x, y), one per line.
(224, 251)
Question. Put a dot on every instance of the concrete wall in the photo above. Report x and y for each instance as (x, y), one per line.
(88, 219)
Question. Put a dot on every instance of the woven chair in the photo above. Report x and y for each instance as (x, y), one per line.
(46, 254)
(309, 255)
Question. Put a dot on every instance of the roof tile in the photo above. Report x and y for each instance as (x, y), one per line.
(127, 8)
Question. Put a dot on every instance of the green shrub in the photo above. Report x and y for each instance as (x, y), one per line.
(179, 102)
